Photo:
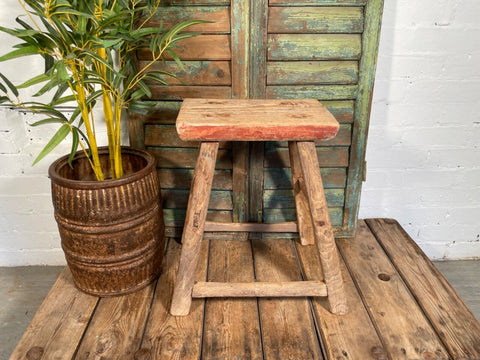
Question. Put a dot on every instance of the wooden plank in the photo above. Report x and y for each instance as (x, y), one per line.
(166, 135)
(159, 112)
(259, 289)
(275, 199)
(202, 47)
(341, 110)
(59, 323)
(205, 73)
(251, 227)
(185, 157)
(197, 2)
(282, 215)
(176, 92)
(370, 41)
(314, 46)
(178, 198)
(287, 324)
(321, 92)
(346, 337)
(453, 321)
(116, 329)
(258, 49)
(176, 217)
(280, 178)
(182, 179)
(317, 2)
(240, 183)
(327, 157)
(219, 18)
(315, 20)
(343, 138)
(255, 120)
(167, 336)
(402, 326)
(232, 328)
(312, 72)
(135, 130)
(240, 40)
(256, 181)
(322, 226)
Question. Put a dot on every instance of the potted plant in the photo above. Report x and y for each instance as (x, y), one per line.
(106, 199)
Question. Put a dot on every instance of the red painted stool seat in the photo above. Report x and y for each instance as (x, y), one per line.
(255, 120)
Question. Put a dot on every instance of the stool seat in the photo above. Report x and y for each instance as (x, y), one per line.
(255, 120)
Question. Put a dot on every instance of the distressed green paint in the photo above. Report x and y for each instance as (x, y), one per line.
(373, 16)
(186, 157)
(281, 178)
(176, 217)
(182, 179)
(281, 215)
(312, 72)
(342, 110)
(317, 2)
(343, 138)
(175, 198)
(327, 157)
(327, 92)
(314, 46)
(175, 92)
(315, 20)
(284, 199)
(194, 2)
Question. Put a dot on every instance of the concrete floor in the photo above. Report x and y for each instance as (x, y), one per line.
(22, 290)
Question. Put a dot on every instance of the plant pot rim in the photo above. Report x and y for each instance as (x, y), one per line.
(53, 171)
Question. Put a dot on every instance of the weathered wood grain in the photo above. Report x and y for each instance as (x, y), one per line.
(282, 198)
(314, 46)
(116, 329)
(370, 41)
(327, 157)
(176, 198)
(255, 120)
(196, 2)
(343, 138)
(240, 183)
(179, 92)
(159, 112)
(176, 217)
(193, 229)
(167, 336)
(346, 337)
(282, 215)
(402, 326)
(185, 157)
(280, 178)
(317, 2)
(321, 92)
(59, 323)
(167, 136)
(251, 227)
(315, 20)
(286, 324)
(256, 181)
(182, 179)
(218, 16)
(231, 325)
(322, 226)
(341, 110)
(312, 72)
(452, 319)
(240, 44)
(202, 47)
(258, 48)
(205, 73)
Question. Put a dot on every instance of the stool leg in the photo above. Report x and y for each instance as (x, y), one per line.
(193, 229)
(322, 228)
(304, 218)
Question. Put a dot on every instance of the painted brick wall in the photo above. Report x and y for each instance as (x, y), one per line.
(423, 156)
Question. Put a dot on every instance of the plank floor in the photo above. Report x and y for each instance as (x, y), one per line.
(401, 307)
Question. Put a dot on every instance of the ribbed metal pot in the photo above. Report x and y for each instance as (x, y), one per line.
(112, 231)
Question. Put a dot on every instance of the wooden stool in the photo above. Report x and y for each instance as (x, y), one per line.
(298, 121)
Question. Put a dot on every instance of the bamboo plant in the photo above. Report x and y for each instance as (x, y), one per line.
(88, 47)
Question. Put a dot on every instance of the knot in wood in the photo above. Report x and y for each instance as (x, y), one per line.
(143, 354)
(35, 353)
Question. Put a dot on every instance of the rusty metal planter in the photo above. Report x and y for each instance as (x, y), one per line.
(112, 231)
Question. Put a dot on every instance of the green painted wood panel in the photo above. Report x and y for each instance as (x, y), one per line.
(342, 110)
(182, 179)
(321, 92)
(317, 2)
(280, 215)
(186, 157)
(177, 198)
(284, 199)
(327, 157)
(176, 217)
(312, 72)
(315, 20)
(314, 46)
(281, 178)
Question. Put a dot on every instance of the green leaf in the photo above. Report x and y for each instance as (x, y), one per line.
(176, 58)
(24, 51)
(34, 81)
(12, 87)
(54, 142)
(48, 121)
(75, 142)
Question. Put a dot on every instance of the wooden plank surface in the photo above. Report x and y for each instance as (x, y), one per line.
(285, 214)
(232, 328)
(179, 92)
(327, 157)
(277, 199)
(166, 336)
(59, 323)
(185, 158)
(314, 46)
(315, 20)
(315, 2)
(281, 178)
(322, 92)
(404, 330)
(255, 120)
(219, 199)
(115, 330)
(287, 324)
(182, 179)
(451, 318)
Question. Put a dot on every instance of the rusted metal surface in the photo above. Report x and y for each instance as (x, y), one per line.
(112, 231)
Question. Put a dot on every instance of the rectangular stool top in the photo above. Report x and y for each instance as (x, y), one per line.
(255, 120)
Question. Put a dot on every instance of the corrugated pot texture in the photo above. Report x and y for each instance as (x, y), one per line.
(112, 231)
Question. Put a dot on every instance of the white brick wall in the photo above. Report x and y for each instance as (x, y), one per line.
(423, 156)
